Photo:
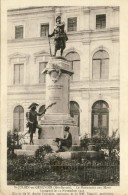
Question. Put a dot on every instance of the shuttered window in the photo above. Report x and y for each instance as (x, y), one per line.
(75, 113)
(100, 119)
(72, 24)
(18, 73)
(100, 65)
(19, 32)
(18, 118)
(44, 30)
(42, 65)
(74, 60)
(100, 21)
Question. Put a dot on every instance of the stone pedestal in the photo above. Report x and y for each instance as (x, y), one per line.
(58, 72)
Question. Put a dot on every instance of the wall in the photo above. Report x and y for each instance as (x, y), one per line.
(86, 41)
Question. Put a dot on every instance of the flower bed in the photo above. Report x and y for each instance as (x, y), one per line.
(23, 168)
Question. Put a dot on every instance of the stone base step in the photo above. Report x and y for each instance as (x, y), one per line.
(30, 151)
(76, 148)
(68, 155)
(64, 155)
(54, 145)
(25, 152)
(92, 155)
(44, 142)
(30, 147)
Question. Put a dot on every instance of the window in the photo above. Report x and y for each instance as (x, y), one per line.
(18, 32)
(74, 60)
(72, 24)
(100, 21)
(18, 118)
(18, 73)
(75, 113)
(100, 118)
(100, 65)
(42, 65)
(44, 30)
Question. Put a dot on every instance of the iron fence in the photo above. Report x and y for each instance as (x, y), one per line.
(87, 172)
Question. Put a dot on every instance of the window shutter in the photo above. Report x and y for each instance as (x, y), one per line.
(19, 32)
(72, 24)
(100, 21)
(104, 69)
(76, 70)
(18, 118)
(95, 124)
(104, 120)
(44, 31)
(18, 73)
(21, 73)
(42, 65)
(74, 60)
(96, 69)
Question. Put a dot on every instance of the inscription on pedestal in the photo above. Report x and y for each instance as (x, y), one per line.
(57, 92)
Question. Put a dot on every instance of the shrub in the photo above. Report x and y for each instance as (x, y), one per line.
(42, 151)
(23, 168)
(111, 143)
(53, 158)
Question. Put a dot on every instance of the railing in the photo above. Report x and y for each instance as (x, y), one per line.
(86, 172)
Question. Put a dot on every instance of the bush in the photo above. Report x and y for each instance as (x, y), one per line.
(12, 143)
(13, 139)
(42, 151)
(111, 143)
(30, 168)
(53, 158)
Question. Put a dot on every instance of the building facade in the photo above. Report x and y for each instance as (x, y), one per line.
(92, 50)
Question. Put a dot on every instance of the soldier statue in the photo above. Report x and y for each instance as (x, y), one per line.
(60, 36)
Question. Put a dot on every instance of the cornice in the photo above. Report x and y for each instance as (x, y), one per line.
(35, 39)
(72, 35)
(18, 55)
(41, 90)
(116, 8)
(30, 10)
(41, 53)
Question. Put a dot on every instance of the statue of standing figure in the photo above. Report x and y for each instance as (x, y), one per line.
(60, 36)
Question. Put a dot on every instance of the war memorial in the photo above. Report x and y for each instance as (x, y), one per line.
(83, 162)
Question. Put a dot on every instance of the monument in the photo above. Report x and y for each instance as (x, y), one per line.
(58, 72)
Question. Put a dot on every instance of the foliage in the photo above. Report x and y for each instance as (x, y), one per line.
(12, 142)
(29, 168)
(13, 138)
(42, 151)
(48, 166)
(111, 143)
(53, 158)
(84, 141)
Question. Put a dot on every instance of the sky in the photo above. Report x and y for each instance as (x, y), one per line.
(13, 4)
